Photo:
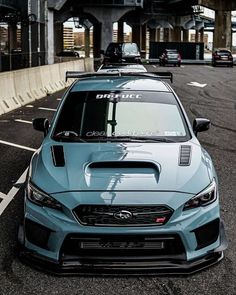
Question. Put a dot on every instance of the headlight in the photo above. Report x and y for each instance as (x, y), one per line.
(204, 198)
(40, 198)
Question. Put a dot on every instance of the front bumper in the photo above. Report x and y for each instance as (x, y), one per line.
(124, 265)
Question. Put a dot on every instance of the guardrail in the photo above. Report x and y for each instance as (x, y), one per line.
(21, 87)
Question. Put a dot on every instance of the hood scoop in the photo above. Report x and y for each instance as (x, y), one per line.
(58, 155)
(185, 155)
(123, 165)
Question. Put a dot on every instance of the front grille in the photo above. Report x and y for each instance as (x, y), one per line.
(119, 247)
(132, 215)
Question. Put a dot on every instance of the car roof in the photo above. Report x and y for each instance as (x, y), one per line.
(122, 68)
(120, 83)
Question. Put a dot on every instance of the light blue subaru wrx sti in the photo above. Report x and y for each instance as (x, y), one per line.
(121, 184)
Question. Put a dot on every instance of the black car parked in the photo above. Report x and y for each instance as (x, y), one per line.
(122, 53)
(222, 57)
(170, 56)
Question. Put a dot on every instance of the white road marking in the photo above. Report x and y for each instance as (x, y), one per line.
(17, 146)
(2, 196)
(29, 106)
(58, 99)
(23, 121)
(182, 66)
(154, 66)
(12, 193)
(196, 84)
(47, 109)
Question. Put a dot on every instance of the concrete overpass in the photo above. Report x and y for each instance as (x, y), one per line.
(43, 39)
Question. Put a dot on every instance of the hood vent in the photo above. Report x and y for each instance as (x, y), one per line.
(58, 155)
(122, 165)
(185, 155)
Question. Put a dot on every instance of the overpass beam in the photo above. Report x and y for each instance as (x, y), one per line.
(223, 31)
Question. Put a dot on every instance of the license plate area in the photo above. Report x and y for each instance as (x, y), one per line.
(122, 244)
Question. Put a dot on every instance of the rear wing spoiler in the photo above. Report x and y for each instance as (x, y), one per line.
(159, 75)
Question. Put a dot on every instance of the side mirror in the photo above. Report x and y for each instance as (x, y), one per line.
(102, 51)
(200, 125)
(41, 124)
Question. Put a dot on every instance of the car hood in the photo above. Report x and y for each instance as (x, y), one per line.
(120, 167)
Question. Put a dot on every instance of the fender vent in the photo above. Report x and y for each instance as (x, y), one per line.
(185, 155)
(58, 155)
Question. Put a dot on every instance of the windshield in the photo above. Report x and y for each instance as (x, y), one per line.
(122, 115)
(130, 48)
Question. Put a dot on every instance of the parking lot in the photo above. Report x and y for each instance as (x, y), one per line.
(205, 92)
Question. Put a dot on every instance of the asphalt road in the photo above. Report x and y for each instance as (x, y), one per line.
(216, 101)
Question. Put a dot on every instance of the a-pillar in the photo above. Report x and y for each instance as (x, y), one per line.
(58, 37)
(223, 30)
(120, 37)
(87, 42)
(185, 35)
(136, 34)
(96, 40)
(50, 37)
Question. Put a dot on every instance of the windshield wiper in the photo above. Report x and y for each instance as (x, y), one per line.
(129, 139)
(144, 138)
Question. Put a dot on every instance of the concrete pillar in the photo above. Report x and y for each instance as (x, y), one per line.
(106, 33)
(158, 35)
(152, 35)
(136, 34)
(12, 37)
(144, 37)
(196, 36)
(96, 40)
(185, 35)
(202, 35)
(166, 35)
(12, 43)
(87, 42)
(58, 37)
(50, 37)
(176, 34)
(25, 45)
(223, 30)
(120, 31)
(106, 16)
